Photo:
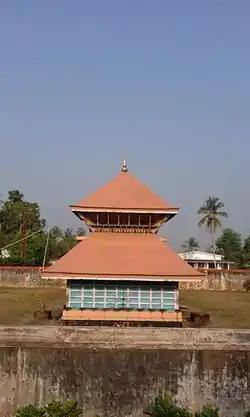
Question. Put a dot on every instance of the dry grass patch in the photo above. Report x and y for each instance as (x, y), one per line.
(227, 309)
(18, 304)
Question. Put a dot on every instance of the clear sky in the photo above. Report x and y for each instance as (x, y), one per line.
(164, 83)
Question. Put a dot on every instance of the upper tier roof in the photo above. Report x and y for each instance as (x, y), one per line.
(125, 192)
(124, 255)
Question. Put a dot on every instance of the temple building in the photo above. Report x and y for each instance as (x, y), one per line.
(123, 272)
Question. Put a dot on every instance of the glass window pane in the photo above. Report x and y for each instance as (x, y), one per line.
(75, 305)
(99, 293)
(110, 304)
(87, 304)
(72, 298)
(76, 286)
(145, 299)
(99, 305)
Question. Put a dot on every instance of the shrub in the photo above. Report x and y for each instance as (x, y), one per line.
(208, 411)
(53, 409)
(165, 407)
(30, 411)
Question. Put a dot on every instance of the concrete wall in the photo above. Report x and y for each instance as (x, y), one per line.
(115, 372)
(219, 281)
(26, 277)
(31, 277)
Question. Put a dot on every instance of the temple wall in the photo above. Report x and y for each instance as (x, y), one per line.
(219, 281)
(213, 281)
(116, 372)
(27, 277)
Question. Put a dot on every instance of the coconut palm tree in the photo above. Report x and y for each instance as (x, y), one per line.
(190, 245)
(210, 212)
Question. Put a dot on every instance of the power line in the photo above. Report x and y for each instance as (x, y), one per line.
(20, 240)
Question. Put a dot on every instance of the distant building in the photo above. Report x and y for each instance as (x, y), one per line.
(205, 260)
(4, 253)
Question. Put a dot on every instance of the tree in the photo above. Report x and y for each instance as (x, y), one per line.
(23, 233)
(81, 231)
(20, 219)
(15, 196)
(246, 253)
(210, 212)
(60, 242)
(229, 244)
(191, 245)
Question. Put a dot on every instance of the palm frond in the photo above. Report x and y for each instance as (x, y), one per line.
(210, 212)
(222, 214)
(202, 210)
(202, 221)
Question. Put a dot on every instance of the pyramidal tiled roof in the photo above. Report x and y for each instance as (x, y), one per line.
(122, 255)
(126, 192)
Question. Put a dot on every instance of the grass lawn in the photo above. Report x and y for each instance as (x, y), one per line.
(18, 304)
(227, 309)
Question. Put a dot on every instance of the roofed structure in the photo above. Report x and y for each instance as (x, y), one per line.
(205, 260)
(123, 263)
(123, 203)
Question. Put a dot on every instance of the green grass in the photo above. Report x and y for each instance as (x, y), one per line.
(227, 309)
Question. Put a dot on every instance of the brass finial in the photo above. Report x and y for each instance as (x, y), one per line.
(124, 166)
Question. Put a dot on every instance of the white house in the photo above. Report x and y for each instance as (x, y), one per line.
(4, 253)
(205, 260)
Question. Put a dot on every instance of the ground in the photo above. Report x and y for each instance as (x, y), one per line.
(227, 309)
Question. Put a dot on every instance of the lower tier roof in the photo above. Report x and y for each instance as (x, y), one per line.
(122, 255)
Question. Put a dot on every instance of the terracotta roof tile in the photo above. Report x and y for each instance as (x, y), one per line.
(124, 192)
(122, 254)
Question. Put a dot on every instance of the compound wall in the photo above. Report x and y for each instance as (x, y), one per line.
(116, 372)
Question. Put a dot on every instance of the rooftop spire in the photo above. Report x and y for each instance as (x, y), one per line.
(124, 166)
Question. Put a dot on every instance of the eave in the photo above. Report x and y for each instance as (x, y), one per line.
(76, 208)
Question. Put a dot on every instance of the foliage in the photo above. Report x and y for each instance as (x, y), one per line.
(53, 409)
(60, 242)
(160, 407)
(246, 253)
(60, 409)
(165, 407)
(30, 411)
(191, 245)
(210, 212)
(208, 411)
(229, 243)
(21, 222)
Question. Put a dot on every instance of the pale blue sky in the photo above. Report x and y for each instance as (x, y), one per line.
(165, 84)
